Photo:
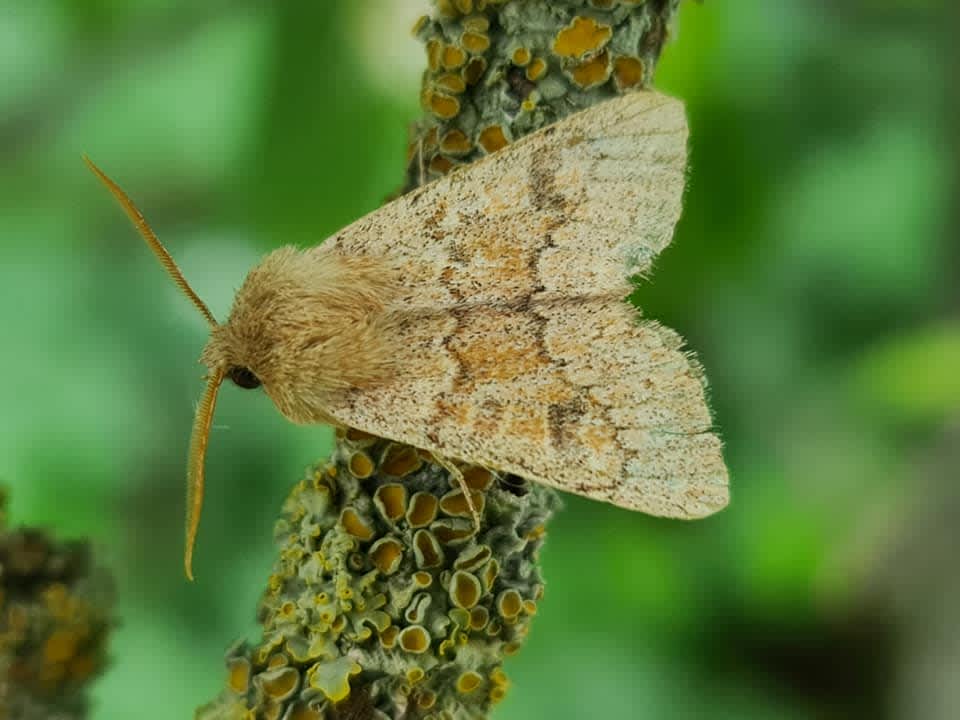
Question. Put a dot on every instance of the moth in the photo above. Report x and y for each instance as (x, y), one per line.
(484, 318)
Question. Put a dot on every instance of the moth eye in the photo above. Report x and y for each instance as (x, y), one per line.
(243, 377)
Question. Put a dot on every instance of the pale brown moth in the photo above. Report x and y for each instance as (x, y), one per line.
(483, 317)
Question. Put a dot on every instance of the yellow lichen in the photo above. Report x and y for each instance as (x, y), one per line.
(476, 23)
(360, 465)
(287, 612)
(465, 590)
(400, 460)
(521, 56)
(460, 617)
(535, 533)
(442, 105)
(388, 637)
(358, 437)
(391, 501)
(509, 603)
(479, 617)
(492, 138)
(426, 699)
(386, 554)
(627, 72)
(472, 558)
(277, 660)
(593, 72)
(446, 647)
(417, 611)
(356, 525)
(450, 83)
(426, 549)
(302, 711)
(414, 639)
(430, 142)
(477, 478)
(60, 646)
(456, 142)
(454, 503)
(238, 675)
(332, 678)
(512, 648)
(582, 36)
(473, 70)
(447, 8)
(536, 69)
(475, 43)
(422, 510)
(406, 592)
(469, 681)
(453, 57)
(279, 684)
(489, 574)
(420, 23)
(441, 165)
(454, 531)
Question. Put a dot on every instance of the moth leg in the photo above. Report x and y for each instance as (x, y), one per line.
(457, 475)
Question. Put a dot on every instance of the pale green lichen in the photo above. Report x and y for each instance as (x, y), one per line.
(55, 618)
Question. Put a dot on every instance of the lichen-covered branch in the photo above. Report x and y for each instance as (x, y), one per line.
(387, 601)
(56, 611)
(499, 70)
(384, 585)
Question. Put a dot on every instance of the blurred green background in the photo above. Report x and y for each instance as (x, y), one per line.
(816, 271)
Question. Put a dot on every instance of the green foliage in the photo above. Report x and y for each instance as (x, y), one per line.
(811, 272)
(913, 377)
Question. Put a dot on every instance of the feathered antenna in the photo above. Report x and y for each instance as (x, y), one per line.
(200, 436)
(153, 242)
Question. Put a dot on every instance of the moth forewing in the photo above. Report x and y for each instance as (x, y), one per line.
(577, 208)
(519, 351)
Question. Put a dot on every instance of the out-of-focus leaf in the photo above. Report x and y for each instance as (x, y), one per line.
(914, 377)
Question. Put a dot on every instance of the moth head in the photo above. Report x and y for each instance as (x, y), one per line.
(305, 325)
